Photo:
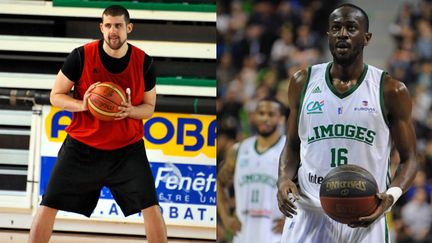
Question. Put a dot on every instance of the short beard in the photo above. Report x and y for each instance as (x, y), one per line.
(116, 47)
(268, 133)
(346, 61)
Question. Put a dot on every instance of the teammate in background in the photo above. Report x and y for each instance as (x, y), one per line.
(343, 112)
(254, 165)
(99, 153)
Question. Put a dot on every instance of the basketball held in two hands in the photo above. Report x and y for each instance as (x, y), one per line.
(105, 99)
(349, 192)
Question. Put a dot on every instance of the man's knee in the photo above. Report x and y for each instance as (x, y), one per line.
(152, 210)
(45, 211)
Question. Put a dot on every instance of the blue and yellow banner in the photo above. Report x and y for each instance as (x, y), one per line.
(175, 134)
(181, 149)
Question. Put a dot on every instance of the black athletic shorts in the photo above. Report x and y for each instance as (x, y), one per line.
(81, 171)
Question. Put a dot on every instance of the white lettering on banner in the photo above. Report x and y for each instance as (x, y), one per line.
(188, 214)
(174, 197)
(169, 197)
(172, 213)
(179, 182)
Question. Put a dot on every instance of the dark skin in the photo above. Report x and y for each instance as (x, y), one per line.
(267, 119)
(347, 36)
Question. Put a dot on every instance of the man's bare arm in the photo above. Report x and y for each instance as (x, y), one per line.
(399, 105)
(60, 98)
(290, 156)
(224, 179)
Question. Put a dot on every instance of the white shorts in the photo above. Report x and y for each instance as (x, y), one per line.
(314, 226)
(259, 230)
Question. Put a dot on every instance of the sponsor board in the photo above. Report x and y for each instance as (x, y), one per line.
(175, 134)
(181, 149)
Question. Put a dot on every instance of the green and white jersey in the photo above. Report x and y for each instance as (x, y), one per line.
(336, 129)
(256, 192)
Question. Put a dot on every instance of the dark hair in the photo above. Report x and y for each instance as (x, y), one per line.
(366, 17)
(117, 10)
(282, 109)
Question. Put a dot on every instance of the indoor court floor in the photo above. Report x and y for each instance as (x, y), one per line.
(20, 236)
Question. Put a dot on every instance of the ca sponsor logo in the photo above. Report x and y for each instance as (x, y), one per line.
(315, 107)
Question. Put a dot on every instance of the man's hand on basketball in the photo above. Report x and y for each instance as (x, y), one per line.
(84, 106)
(125, 107)
(285, 200)
(386, 201)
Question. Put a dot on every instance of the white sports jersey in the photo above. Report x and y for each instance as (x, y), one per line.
(255, 191)
(337, 129)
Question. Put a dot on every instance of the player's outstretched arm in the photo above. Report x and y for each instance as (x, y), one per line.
(224, 178)
(290, 156)
(398, 109)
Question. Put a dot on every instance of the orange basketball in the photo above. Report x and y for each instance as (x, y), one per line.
(105, 99)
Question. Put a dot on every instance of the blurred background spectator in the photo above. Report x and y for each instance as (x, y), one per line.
(417, 217)
(262, 43)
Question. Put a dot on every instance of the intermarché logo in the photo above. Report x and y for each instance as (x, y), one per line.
(315, 107)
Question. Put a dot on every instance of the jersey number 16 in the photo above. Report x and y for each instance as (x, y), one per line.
(339, 157)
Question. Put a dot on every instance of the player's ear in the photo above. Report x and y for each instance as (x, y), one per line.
(129, 27)
(101, 27)
(367, 38)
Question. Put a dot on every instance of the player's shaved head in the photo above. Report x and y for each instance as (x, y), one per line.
(355, 8)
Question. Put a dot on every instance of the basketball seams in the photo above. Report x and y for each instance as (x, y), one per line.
(105, 99)
(101, 112)
(115, 88)
(106, 107)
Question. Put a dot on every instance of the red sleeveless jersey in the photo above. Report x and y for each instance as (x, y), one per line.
(108, 135)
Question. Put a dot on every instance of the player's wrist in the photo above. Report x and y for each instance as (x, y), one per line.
(396, 193)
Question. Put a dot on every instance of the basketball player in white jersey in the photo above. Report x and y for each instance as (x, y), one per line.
(253, 164)
(343, 112)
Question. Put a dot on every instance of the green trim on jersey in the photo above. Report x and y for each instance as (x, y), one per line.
(303, 92)
(383, 109)
(352, 89)
(256, 144)
(388, 181)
